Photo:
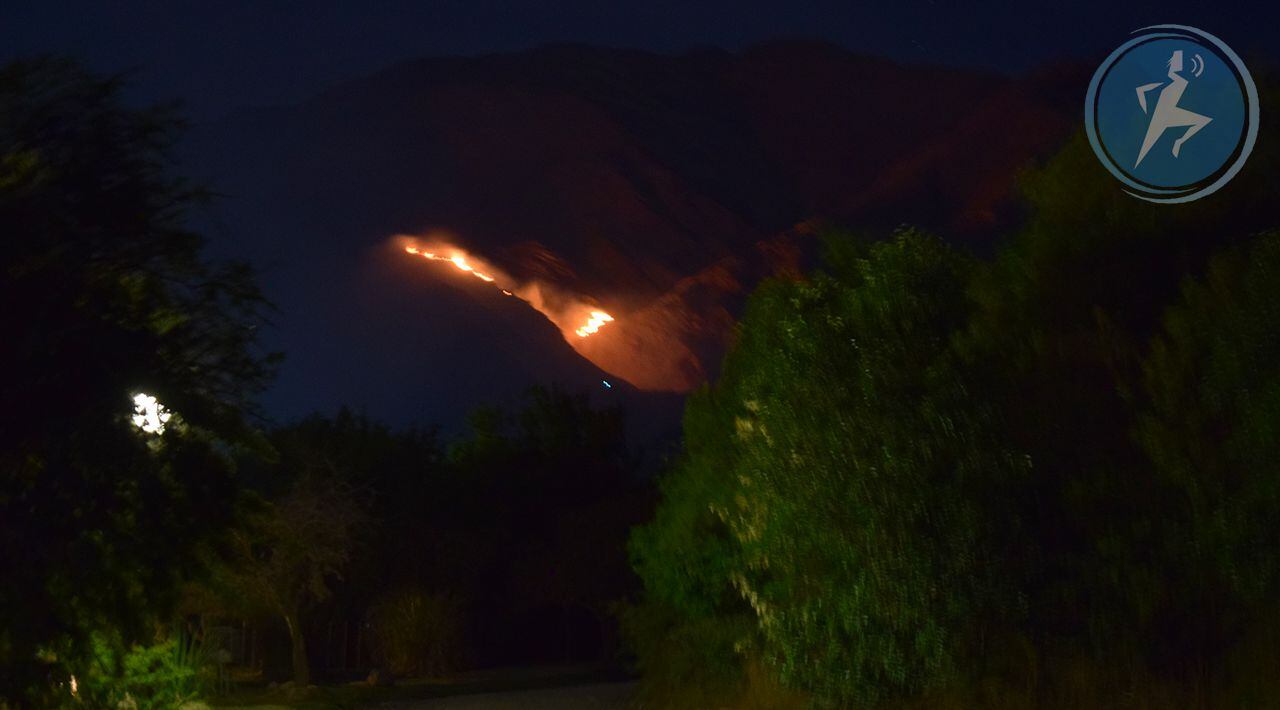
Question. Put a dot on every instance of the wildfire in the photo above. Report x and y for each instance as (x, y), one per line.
(561, 308)
(457, 260)
(597, 319)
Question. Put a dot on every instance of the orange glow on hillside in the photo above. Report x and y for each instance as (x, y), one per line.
(564, 309)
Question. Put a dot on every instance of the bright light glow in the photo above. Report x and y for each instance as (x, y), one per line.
(149, 415)
(74, 686)
(458, 260)
(560, 307)
(597, 319)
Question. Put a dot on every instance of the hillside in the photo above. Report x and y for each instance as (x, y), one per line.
(657, 188)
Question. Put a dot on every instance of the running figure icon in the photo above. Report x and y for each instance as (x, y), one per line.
(1167, 113)
(1206, 107)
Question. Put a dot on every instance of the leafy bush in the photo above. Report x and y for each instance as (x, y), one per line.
(161, 676)
(1212, 430)
(419, 634)
(843, 483)
(678, 655)
(691, 664)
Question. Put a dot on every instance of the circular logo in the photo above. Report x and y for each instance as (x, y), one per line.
(1172, 113)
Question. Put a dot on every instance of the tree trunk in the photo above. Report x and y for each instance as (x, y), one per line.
(301, 669)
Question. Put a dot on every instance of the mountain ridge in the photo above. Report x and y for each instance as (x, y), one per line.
(654, 185)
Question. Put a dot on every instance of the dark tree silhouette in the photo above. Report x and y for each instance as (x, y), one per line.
(286, 557)
(104, 295)
(551, 491)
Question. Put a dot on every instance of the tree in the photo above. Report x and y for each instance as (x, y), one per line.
(693, 633)
(550, 492)
(1057, 342)
(919, 470)
(287, 554)
(856, 477)
(1210, 423)
(106, 296)
(403, 486)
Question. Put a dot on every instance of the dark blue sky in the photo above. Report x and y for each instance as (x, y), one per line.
(222, 55)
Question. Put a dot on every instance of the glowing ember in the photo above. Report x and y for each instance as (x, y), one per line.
(597, 319)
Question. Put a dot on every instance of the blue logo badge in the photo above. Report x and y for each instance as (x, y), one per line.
(1172, 113)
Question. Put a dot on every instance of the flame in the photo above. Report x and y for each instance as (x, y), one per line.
(560, 308)
(597, 319)
(458, 259)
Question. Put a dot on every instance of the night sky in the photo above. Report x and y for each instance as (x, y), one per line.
(220, 58)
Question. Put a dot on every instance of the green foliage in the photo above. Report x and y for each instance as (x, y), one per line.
(852, 476)
(1058, 339)
(160, 676)
(1212, 430)
(864, 507)
(687, 554)
(418, 634)
(1028, 481)
(688, 661)
(106, 295)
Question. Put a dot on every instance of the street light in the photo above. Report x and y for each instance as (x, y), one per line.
(148, 414)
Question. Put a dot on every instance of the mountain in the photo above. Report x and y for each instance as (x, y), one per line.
(658, 189)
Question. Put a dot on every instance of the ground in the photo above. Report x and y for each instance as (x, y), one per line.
(559, 688)
(599, 696)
